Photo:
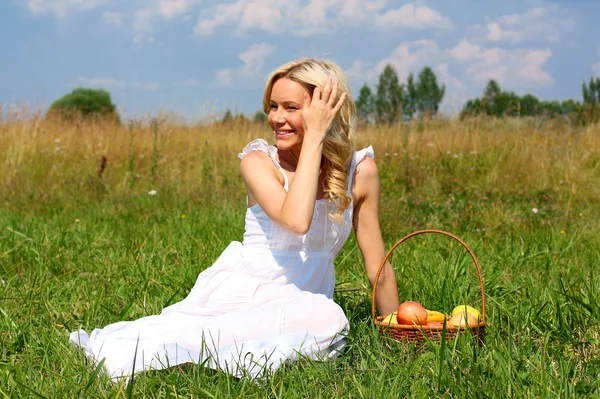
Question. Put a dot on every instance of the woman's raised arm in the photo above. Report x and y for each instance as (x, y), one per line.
(293, 210)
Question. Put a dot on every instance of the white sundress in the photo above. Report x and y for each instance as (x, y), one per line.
(264, 301)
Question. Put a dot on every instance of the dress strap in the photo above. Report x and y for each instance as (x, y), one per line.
(357, 157)
(270, 150)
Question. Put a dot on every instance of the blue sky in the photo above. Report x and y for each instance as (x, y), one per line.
(199, 57)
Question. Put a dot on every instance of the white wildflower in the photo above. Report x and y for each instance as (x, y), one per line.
(152, 192)
(535, 210)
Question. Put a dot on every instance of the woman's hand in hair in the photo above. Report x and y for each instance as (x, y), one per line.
(320, 110)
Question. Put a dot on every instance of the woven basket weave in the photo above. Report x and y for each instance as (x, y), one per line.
(416, 333)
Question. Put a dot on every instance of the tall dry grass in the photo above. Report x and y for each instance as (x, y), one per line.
(491, 161)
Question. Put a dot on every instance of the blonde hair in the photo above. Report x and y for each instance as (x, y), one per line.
(339, 140)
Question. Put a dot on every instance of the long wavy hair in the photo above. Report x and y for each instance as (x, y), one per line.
(339, 140)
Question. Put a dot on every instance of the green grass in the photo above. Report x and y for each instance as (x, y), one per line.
(78, 251)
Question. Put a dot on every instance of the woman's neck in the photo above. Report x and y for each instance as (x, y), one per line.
(289, 157)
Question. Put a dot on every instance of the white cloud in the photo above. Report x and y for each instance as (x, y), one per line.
(60, 8)
(144, 16)
(465, 50)
(305, 18)
(224, 77)
(520, 67)
(100, 82)
(113, 18)
(408, 56)
(540, 24)
(173, 8)
(462, 65)
(359, 72)
(244, 14)
(355, 11)
(143, 26)
(262, 16)
(414, 17)
(445, 76)
(596, 69)
(299, 17)
(252, 69)
(254, 58)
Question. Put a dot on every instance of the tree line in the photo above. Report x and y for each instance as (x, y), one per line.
(389, 102)
(497, 102)
(393, 102)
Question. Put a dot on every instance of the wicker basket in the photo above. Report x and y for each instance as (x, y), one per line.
(423, 333)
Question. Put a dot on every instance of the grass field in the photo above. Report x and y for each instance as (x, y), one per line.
(83, 245)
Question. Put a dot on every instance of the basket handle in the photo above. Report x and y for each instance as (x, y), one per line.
(416, 233)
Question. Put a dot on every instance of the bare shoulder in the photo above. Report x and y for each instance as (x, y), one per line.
(256, 162)
(260, 175)
(254, 158)
(366, 179)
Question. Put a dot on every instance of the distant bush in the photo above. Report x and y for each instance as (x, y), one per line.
(84, 103)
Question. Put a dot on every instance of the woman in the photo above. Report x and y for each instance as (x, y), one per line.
(268, 299)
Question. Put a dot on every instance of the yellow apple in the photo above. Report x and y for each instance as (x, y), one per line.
(458, 320)
(468, 309)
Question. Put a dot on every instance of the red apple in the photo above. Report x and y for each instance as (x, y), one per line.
(411, 313)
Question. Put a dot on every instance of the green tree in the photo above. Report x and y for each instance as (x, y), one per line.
(411, 102)
(365, 104)
(259, 117)
(429, 93)
(528, 105)
(227, 117)
(591, 92)
(492, 101)
(85, 103)
(591, 101)
(573, 111)
(473, 107)
(389, 97)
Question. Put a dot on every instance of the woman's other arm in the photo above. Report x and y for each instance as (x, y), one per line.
(368, 235)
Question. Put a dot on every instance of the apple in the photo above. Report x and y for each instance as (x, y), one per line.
(458, 320)
(411, 313)
(468, 309)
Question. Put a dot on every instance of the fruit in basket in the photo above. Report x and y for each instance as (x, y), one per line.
(462, 319)
(390, 319)
(411, 313)
(468, 309)
(434, 324)
(435, 316)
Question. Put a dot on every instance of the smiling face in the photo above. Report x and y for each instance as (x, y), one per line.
(285, 114)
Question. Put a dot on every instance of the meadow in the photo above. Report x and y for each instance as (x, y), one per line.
(101, 223)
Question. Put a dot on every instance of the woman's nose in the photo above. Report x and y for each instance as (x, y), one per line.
(279, 116)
